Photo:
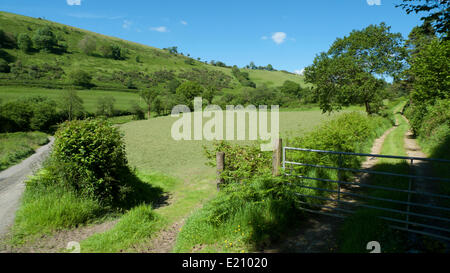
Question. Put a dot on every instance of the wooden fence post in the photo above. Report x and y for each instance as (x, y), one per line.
(220, 163)
(276, 157)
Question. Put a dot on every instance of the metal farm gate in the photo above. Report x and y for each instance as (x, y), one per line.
(419, 207)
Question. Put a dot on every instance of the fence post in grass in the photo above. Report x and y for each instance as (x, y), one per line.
(220, 163)
(276, 157)
(339, 176)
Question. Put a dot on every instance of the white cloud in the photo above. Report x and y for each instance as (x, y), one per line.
(160, 29)
(299, 71)
(73, 2)
(279, 37)
(183, 22)
(264, 38)
(374, 2)
(127, 24)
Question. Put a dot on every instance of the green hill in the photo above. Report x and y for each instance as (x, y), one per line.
(52, 69)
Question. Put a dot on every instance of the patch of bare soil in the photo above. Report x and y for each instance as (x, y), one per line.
(58, 241)
(163, 242)
(318, 233)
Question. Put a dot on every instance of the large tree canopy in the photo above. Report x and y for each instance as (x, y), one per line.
(437, 13)
(351, 70)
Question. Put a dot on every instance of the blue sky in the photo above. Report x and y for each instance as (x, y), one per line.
(286, 34)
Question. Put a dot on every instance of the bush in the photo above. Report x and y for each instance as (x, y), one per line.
(350, 132)
(89, 157)
(137, 111)
(187, 91)
(24, 42)
(81, 78)
(34, 113)
(44, 39)
(87, 45)
(105, 106)
(4, 67)
(7, 39)
(242, 162)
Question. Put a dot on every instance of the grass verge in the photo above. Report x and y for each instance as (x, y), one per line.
(16, 146)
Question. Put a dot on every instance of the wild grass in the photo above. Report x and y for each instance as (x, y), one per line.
(16, 146)
(46, 209)
(137, 225)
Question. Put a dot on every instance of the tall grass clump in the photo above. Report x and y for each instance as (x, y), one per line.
(134, 227)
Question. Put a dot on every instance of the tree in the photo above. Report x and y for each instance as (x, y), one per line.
(24, 42)
(438, 13)
(148, 95)
(71, 103)
(106, 51)
(113, 51)
(269, 67)
(173, 50)
(105, 106)
(431, 70)
(4, 67)
(351, 70)
(117, 53)
(87, 45)
(188, 90)
(252, 65)
(81, 78)
(44, 39)
(291, 88)
(7, 40)
(157, 105)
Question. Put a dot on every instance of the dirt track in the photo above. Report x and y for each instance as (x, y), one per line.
(12, 185)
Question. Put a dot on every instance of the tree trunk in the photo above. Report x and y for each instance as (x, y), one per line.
(367, 107)
(148, 112)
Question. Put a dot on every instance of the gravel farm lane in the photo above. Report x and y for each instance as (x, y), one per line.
(12, 185)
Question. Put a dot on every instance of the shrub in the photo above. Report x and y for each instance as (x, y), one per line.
(44, 39)
(89, 157)
(87, 45)
(81, 78)
(24, 42)
(105, 106)
(34, 113)
(187, 91)
(7, 39)
(137, 111)
(241, 163)
(4, 67)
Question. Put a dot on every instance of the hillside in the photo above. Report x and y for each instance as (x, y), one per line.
(51, 69)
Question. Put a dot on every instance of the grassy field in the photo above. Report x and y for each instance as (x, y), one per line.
(90, 98)
(150, 146)
(16, 146)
